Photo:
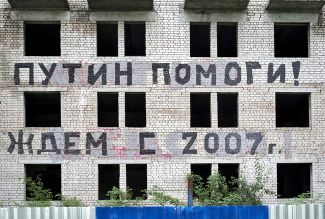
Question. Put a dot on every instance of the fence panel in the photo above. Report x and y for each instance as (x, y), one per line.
(311, 211)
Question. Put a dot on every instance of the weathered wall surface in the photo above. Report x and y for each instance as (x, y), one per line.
(168, 99)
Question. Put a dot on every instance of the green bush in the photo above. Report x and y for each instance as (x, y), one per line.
(118, 197)
(39, 196)
(70, 202)
(162, 199)
(216, 192)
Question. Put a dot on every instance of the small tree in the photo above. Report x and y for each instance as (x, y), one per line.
(38, 195)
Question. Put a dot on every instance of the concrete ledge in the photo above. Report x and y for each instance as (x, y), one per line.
(120, 5)
(231, 5)
(295, 5)
(40, 15)
(122, 16)
(40, 5)
(31, 89)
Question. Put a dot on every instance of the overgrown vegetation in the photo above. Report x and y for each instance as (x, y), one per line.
(217, 192)
(38, 195)
(70, 202)
(118, 197)
(162, 199)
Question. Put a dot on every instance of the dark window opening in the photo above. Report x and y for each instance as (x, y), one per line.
(200, 110)
(107, 39)
(50, 175)
(108, 177)
(293, 179)
(200, 39)
(136, 179)
(292, 109)
(227, 110)
(227, 39)
(229, 171)
(42, 39)
(291, 40)
(135, 109)
(202, 170)
(108, 110)
(135, 39)
(43, 109)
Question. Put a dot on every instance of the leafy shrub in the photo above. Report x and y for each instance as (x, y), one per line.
(216, 191)
(118, 197)
(38, 195)
(162, 199)
(70, 202)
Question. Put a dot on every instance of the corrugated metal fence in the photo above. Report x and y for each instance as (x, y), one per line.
(313, 211)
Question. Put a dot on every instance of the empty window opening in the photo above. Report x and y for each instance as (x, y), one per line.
(108, 177)
(200, 39)
(42, 109)
(42, 39)
(202, 170)
(107, 39)
(108, 110)
(230, 172)
(135, 39)
(200, 110)
(292, 109)
(136, 179)
(227, 109)
(291, 40)
(293, 179)
(50, 175)
(227, 39)
(135, 109)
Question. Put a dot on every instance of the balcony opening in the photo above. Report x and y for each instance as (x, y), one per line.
(135, 109)
(42, 109)
(49, 174)
(227, 39)
(42, 39)
(107, 39)
(293, 179)
(108, 177)
(230, 172)
(227, 110)
(135, 39)
(136, 179)
(291, 40)
(292, 109)
(200, 110)
(200, 39)
(108, 110)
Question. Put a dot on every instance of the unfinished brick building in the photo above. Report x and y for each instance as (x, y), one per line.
(96, 94)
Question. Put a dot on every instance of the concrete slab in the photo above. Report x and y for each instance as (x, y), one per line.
(295, 5)
(57, 5)
(231, 5)
(120, 5)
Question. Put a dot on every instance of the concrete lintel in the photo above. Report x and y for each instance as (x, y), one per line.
(122, 16)
(21, 161)
(122, 89)
(295, 90)
(218, 5)
(192, 16)
(40, 15)
(214, 161)
(122, 161)
(213, 89)
(295, 160)
(42, 89)
(39, 5)
(120, 5)
(291, 17)
(296, 6)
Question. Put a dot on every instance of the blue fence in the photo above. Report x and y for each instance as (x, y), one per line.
(233, 212)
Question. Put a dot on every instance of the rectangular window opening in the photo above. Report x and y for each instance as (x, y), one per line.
(292, 109)
(108, 177)
(293, 179)
(227, 39)
(202, 170)
(200, 39)
(136, 179)
(229, 171)
(42, 39)
(200, 110)
(49, 174)
(227, 110)
(135, 109)
(42, 109)
(107, 39)
(291, 40)
(108, 110)
(135, 38)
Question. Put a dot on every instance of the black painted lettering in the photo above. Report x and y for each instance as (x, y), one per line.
(237, 137)
(71, 70)
(20, 143)
(92, 77)
(229, 67)
(90, 141)
(187, 76)
(49, 136)
(250, 66)
(30, 67)
(68, 144)
(257, 137)
(48, 73)
(142, 136)
(215, 147)
(192, 136)
(127, 73)
(211, 71)
(166, 70)
(280, 72)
